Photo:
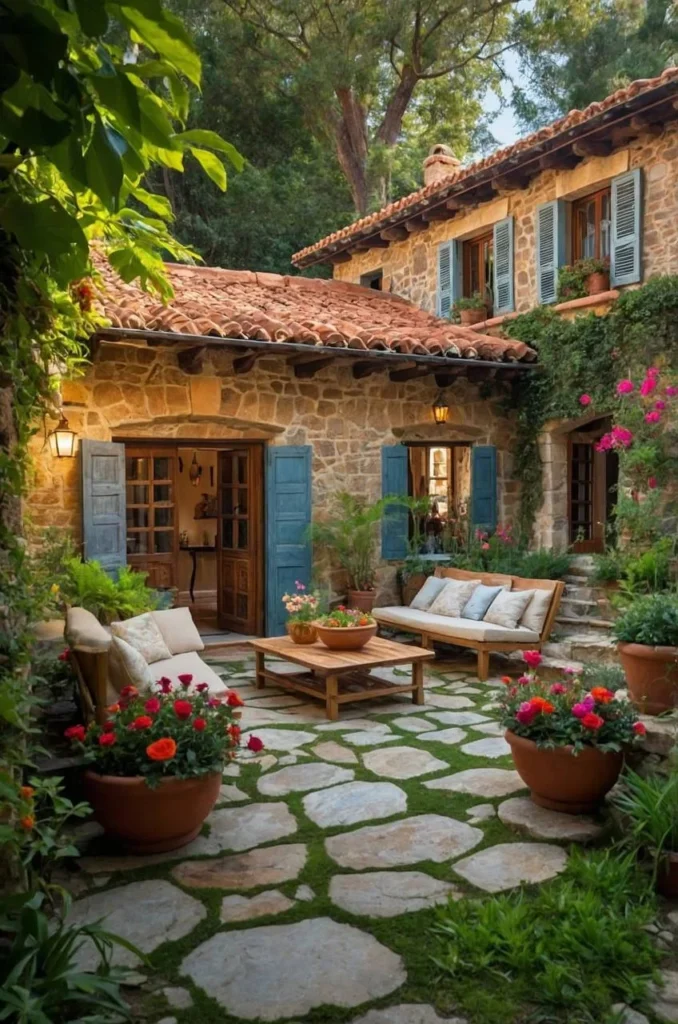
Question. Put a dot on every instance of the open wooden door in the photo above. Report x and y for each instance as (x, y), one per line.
(239, 540)
(152, 524)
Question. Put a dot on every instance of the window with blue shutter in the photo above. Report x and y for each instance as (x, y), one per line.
(288, 516)
(394, 525)
(103, 503)
(550, 248)
(484, 486)
(449, 277)
(625, 255)
(503, 266)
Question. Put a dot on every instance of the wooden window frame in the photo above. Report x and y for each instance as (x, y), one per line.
(471, 249)
(577, 237)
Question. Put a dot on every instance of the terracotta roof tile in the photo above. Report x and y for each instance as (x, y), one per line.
(372, 221)
(268, 307)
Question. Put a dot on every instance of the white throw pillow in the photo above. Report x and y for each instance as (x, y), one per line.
(143, 634)
(428, 593)
(508, 607)
(179, 631)
(83, 629)
(127, 667)
(535, 614)
(452, 598)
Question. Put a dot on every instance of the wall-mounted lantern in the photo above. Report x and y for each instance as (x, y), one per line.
(441, 409)
(62, 440)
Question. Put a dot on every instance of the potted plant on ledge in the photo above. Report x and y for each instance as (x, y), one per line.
(156, 762)
(471, 310)
(567, 741)
(647, 634)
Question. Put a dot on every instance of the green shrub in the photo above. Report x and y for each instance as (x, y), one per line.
(650, 571)
(651, 620)
(545, 564)
(88, 585)
(651, 807)
(572, 948)
(608, 567)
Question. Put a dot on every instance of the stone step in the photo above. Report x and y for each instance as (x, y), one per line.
(578, 592)
(578, 606)
(584, 624)
(583, 647)
(575, 579)
(583, 564)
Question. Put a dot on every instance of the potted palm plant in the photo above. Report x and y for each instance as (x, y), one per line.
(647, 634)
(650, 806)
(350, 537)
(156, 762)
(567, 739)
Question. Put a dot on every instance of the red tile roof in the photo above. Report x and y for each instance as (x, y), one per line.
(240, 304)
(373, 221)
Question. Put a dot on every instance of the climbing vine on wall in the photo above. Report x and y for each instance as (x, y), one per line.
(585, 356)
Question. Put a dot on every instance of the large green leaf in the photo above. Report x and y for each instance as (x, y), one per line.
(165, 36)
(203, 137)
(92, 16)
(30, 37)
(211, 165)
(104, 165)
(118, 94)
(156, 204)
(43, 227)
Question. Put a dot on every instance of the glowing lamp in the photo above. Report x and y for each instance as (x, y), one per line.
(62, 440)
(441, 409)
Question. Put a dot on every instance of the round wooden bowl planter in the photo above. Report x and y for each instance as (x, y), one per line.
(346, 638)
(363, 600)
(146, 820)
(562, 782)
(302, 632)
(652, 676)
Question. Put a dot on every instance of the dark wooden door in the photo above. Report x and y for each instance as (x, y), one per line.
(591, 482)
(239, 539)
(152, 526)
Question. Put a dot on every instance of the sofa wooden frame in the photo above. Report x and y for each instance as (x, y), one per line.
(486, 647)
(91, 671)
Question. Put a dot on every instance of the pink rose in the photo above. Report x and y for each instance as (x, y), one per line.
(584, 399)
(625, 387)
(532, 658)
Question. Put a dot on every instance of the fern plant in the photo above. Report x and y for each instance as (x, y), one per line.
(88, 585)
(350, 537)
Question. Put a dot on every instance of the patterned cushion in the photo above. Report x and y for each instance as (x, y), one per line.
(480, 601)
(427, 594)
(453, 597)
(143, 634)
(126, 667)
(508, 607)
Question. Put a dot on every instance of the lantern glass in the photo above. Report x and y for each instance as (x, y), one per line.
(62, 440)
(441, 410)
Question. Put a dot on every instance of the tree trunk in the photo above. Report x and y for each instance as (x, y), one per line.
(350, 134)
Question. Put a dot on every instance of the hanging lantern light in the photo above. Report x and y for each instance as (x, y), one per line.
(195, 472)
(62, 440)
(441, 409)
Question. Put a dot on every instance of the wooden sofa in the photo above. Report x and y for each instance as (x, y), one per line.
(478, 636)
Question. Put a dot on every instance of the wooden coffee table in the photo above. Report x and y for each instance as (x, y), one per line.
(341, 677)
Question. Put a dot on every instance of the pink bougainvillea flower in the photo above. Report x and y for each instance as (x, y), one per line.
(558, 688)
(625, 387)
(652, 482)
(648, 386)
(532, 658)
(255, 744)
(671, 391)
(605, 443)
(660, 405)
(653, 371)
(584, 399)
(622, 436)
(653, 417)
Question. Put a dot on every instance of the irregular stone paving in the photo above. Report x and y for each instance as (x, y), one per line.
(413, 724)
(331, 751)
(244, 908)
(388, 893)
(231, 795)
(510, 864)
(480, 782)
(452, 736)
(525, 816)
(406, 1013)
(408, 841)
(457, 717)
(369, 737)
(283, 739)
(665, 1004)
(302, 777)
(270, 866)
(402, 762)
(147, 914)
(354, 802)
(493, 747)
(443, 700)
(265, 973)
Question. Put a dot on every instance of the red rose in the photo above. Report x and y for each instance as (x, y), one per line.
(532, 658)
(201, 687)
(65, 654)
(108, 726)
(199, 724)
(165, 684)
(234, 700)
(183, 709)
(141, 722)
(639, 728)
(186, 679)
(234, 732)
(592, 721)
(214, 702)
(128, 692)
(152, 705)
(255, 744)
(107, 739)
(76, 732)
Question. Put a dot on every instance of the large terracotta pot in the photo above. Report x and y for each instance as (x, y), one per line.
(412, 586)
(146, 820)
(597, 283)
(302, 632)
(559, 780)
(652, 676)
(363, 600)
(472, 316)
(667, 875)
(346, 638)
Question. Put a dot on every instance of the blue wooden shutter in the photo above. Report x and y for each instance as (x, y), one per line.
(394, 482)
(626, 243)
(484, 486)
(550, 248)
(103, 503)
(288, 516)
(503, 266)
(449, 277)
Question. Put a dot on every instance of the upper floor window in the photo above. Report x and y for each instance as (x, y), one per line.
(591, 223)
(477, 257)
(373, 280)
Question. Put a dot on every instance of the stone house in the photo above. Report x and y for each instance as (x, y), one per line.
(212, 429)
(600, 183)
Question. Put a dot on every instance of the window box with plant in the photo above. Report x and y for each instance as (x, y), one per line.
(156, 762)
(469, 310)
(585, 277)
(346, 629)
(647, 635)
(567, 738)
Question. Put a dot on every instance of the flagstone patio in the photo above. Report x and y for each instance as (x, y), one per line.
(311, 892)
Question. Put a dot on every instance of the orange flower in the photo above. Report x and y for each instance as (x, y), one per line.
(27, 792)
(27, 822)
(543, 705)
(602, 695)
(162, 750)
(113, 708)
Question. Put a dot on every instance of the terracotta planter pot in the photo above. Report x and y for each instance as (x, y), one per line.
(412, 586)
(363, 600)
(652, 676)
(559, 780)
(597, 283)
(146, 820)
(347, 638)
(472, 316)
(667, 875)
(302, 632)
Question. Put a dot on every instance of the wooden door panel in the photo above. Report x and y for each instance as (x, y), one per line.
(239, 549)
(152, 517)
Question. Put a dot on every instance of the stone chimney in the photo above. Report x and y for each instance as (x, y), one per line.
(439, 163)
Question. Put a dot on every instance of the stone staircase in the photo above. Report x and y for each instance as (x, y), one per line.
(582, 627)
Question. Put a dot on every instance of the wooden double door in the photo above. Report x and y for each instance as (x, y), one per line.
(152, 516)
(593, 477)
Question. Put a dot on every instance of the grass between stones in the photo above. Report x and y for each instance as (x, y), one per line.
(469, 988)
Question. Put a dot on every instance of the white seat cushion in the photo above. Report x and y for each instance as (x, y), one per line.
(190, 663)
(445, 625)
(178, 629)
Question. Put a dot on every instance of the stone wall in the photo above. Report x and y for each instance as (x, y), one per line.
(410, 267)
(134, 391)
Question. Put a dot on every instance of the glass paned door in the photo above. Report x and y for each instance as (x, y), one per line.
(151, 513)
(239, 546)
